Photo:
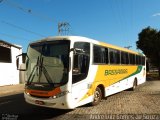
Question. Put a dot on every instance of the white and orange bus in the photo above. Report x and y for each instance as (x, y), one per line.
(69, 71)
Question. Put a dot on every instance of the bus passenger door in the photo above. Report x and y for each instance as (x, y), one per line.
(81, 60)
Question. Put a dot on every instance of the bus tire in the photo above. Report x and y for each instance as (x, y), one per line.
(134, 85)
(97, 97)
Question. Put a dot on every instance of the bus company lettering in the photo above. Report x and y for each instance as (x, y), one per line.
(115, 72)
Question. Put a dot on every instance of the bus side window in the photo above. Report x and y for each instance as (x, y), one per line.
(143, 60)
(81, 61)
(100, 55)
(138, 59)
(132, 59)
(124, 58)
(114, 56)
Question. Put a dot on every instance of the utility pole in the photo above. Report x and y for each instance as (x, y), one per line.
(63, 28)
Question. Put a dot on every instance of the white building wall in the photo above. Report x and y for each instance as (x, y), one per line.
(9, 74)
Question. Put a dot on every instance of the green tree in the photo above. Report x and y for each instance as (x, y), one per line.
(149, 43)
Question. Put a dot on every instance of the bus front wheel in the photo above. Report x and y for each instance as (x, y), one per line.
(97, 96)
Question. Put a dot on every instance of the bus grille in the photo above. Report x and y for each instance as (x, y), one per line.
(39, 96)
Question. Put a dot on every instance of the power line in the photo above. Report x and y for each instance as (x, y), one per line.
(63, 30)
(26, 10)
(21, 28)
(12, 36)
(1, 1)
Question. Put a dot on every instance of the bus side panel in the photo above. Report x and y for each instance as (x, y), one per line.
(82, 92)
(115, 78)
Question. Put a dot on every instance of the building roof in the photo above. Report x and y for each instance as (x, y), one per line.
(16, 46)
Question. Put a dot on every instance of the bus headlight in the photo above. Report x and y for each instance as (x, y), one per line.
(60, 94)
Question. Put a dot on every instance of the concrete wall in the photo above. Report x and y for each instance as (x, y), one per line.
(8, 71)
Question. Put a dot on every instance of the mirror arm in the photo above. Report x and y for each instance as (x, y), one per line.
(72, 49)
(17, 62)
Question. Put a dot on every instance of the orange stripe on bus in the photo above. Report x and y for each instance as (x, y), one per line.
(44, 93)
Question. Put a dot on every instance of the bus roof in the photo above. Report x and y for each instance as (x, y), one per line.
(85, 39)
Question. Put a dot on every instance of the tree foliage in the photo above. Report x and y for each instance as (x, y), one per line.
(149, 43)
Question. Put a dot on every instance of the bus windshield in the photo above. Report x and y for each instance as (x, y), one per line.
(48, 62)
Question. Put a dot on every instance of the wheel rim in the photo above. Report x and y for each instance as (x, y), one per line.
(96, 96)
(134, 85)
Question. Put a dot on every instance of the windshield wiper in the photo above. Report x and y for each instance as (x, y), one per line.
(48, 78)
(32, 75)
(42, 69)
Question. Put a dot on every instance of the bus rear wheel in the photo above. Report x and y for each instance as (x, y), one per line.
(97, 97)
(134, 85)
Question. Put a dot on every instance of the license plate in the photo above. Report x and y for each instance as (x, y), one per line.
(39, 102)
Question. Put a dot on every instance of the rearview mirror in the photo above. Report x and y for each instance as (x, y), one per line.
(20, 62)
(77, 50)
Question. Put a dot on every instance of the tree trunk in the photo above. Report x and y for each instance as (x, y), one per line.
(159, 65)
(159, 71)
